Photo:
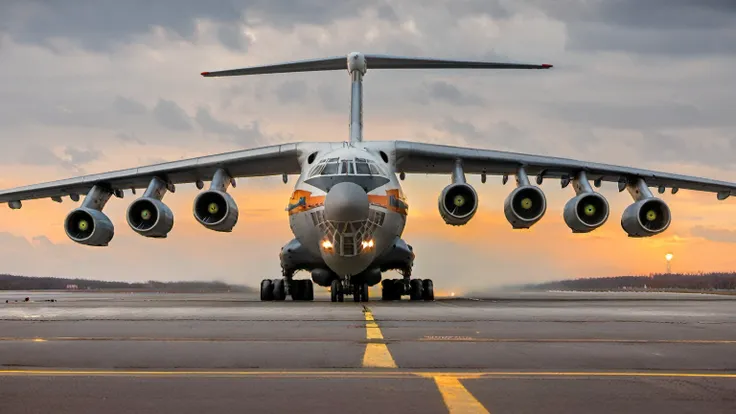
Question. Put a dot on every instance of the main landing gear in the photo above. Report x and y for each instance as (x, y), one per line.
(276, 289)
(417, 289)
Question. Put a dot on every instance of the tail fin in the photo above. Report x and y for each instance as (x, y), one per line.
(357, 64)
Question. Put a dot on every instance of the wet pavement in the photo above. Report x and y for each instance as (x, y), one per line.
(506, 352)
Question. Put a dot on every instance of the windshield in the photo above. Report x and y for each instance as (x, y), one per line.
(357, 166)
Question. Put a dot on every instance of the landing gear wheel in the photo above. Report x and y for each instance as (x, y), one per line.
(308, 290)
(336, 293)
(415, 289)
(364, 295)
(266, 290)
(388, 288)
(428, 289)
(279, 289)
(297, 290)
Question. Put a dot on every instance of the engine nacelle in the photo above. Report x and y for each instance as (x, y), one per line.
(586, 212)
(525, 206)
(458, 203)
(150, 217)
(216, 210)
(88, 226)
(646, 217)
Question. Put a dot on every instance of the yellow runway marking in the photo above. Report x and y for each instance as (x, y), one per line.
(376, 355)
(360, 374)
(456, 397)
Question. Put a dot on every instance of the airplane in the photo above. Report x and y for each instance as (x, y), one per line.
(347, 211)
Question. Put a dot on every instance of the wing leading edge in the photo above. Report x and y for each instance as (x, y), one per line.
(413, 157)
(270, 160)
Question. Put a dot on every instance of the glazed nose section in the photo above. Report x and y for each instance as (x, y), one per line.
(346, 202)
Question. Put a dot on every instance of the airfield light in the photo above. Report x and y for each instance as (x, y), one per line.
(452, 294)
(668, 257)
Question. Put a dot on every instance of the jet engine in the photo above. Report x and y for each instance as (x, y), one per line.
(648, 215)
(646, 218)
(150, 217)
(458, 203)
(88, 226)
(215, 208)
(525, 206)
(586, 211)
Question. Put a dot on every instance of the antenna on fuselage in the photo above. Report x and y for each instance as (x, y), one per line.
(357, 65)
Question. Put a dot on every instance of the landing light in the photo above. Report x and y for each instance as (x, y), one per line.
(327, 245)
(368, 244)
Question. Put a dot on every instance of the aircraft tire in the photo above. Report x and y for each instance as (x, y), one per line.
(308, 290)
(336, 294)
(428, 289)
(266, 290)
(415, 289)
(364, 293)
(279, 289)
(387, 289)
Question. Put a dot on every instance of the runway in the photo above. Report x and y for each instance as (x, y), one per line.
(503, 353)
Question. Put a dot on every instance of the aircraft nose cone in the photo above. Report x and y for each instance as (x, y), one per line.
(346, 202)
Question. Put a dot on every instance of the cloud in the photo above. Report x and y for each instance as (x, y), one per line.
(233, 37)
(448, 93)
(79, 156)
(292, 92)
(42, 156)
(128, 106)
(246, 136)
(129, 137)
(714, 234)
(660, 27)
(172, 116)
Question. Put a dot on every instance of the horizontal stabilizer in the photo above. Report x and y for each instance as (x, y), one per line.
(371, 62)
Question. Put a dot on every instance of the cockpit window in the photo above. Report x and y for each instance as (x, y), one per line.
(358, 166)
(361, 167)
(347, 167)
(330, 168)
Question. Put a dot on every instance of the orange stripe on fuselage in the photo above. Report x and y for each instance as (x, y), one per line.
(311, 202)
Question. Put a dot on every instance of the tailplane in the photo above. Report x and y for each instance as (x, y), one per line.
(357, 65)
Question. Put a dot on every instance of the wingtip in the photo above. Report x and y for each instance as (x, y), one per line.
(546, 66)
(205, 73)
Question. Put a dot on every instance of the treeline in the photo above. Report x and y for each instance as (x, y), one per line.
(664, 281)
(11, 282)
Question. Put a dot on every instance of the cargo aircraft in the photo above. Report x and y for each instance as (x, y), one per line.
(347, 211)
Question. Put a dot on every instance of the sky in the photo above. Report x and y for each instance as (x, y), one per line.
(89, 86)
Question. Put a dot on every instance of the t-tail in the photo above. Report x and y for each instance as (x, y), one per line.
(357, 65)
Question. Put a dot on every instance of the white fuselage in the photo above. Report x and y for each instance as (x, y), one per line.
(347, 206)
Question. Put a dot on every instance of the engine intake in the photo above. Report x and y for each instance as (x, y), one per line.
(458, 203)
(646, 218)
(89, 226)
(525, 206)
(216, 210)
(150, 217)
(586, 212)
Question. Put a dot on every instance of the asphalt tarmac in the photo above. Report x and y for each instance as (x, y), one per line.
(504, 353)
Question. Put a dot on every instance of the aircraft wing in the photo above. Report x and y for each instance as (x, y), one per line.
(413, 157)
(270, 160)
